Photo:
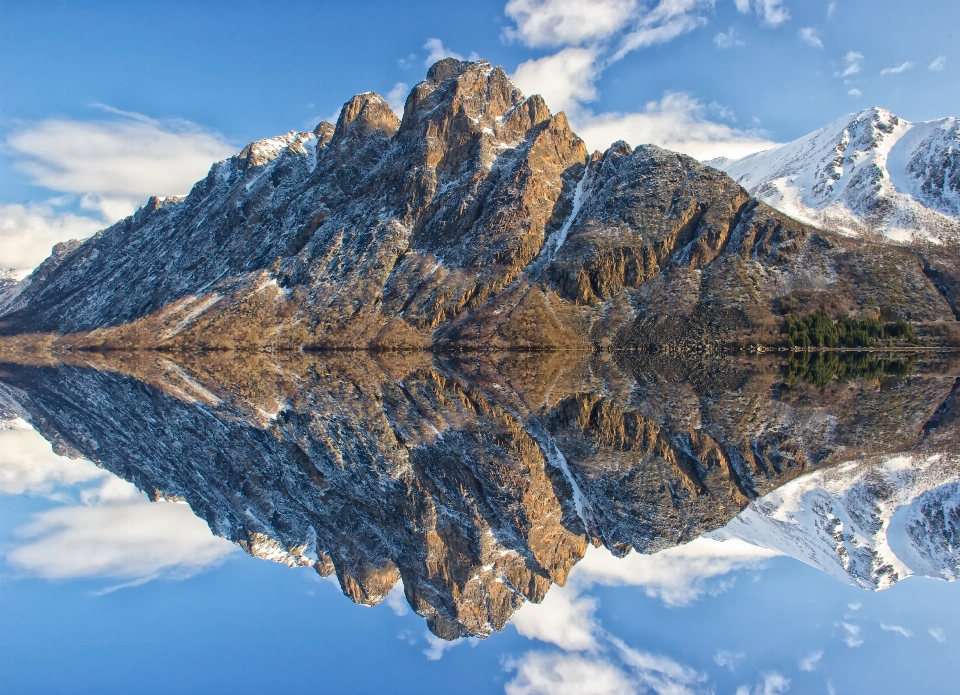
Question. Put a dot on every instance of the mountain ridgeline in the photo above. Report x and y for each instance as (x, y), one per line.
(478, 221)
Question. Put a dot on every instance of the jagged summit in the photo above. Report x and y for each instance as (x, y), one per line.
(868, 172)
(477, 220)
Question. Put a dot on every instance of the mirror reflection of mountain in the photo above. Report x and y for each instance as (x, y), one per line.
(479, 480)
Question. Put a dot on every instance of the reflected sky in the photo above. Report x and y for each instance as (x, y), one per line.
(106, 591)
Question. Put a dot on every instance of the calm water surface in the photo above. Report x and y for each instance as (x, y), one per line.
(519, 523)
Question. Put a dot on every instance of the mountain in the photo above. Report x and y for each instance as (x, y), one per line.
(479, 220)
(479, 479)
(867, 173)
(869, 524)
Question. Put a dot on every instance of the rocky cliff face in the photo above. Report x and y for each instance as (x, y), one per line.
(478, 482)
(478, 220)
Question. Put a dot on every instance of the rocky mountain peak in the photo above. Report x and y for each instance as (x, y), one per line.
(467, 95)
(365, 114)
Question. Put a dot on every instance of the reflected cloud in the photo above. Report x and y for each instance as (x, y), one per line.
(28, 464)
(563, 619)
(117, 535)
(541, 673)
(114, 533)
(677, 576)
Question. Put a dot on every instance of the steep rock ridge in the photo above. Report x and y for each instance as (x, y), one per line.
(867, 173)
(477, 221)
(476, 482)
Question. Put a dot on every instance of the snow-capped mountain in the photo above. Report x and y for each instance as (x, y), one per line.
(869, 523)
(867, 173)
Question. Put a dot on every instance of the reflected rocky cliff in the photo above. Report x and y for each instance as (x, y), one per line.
(480, 480)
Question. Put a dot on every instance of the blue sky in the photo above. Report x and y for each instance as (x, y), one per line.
(106, 103)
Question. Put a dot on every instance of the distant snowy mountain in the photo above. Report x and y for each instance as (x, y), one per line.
(869, 172)
(869, 524)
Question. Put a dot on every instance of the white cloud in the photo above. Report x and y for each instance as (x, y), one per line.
(938, 634)
(564, 79)
(854, 92)
(728, 39)
(939, 64)
(896, 628)
(28, 232)
(728, 659)
(831, 8)
(562, 619)
(112, 167)
(897, 70)
(540, 673)
(116, 165)
(28, 464)
(809, 36)
(676, 122)
(743, 6)
(117, 534)
(811, 661)
(438, 52)
(567, 22)
(853, 62)
(397, 97)
(853, 638)
(855, 606)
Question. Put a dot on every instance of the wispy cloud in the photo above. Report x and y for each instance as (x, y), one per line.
(772, 13)
(939, 64)
(897, 70)
(831, 9)
(938, 634)
(854, 92)
(727, 659)
(896, 628)
(728, 39)
(809, 36)
(771, 683)
(811, 661)
(853, 63)
(852, 632)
